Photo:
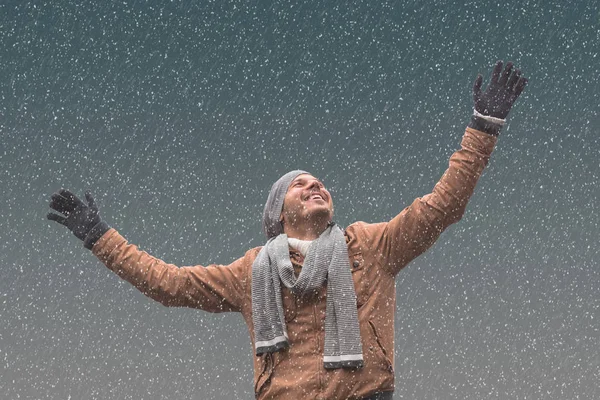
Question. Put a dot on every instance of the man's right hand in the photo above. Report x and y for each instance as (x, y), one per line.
(80, 218)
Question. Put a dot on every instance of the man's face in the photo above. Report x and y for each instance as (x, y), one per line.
(306, 199)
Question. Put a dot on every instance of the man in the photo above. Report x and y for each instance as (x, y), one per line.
(318, 301)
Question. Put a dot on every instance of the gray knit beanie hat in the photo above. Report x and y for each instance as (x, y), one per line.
(274, 205)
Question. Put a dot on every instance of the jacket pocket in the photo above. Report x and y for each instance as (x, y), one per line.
(266, 367)
(381, 348)
(357, 266)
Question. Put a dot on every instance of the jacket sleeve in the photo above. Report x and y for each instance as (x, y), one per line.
(418, 226)
(213, 288)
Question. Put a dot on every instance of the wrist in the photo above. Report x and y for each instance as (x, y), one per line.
(484, 125)
(95, 234)
(491, 118)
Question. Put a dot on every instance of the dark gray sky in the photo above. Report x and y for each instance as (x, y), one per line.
(179, 116)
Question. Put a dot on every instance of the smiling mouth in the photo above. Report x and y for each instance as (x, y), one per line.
(315, 197)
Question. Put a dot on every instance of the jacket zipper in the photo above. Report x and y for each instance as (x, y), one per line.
(320, 348)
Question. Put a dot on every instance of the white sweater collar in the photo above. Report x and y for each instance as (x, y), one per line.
(300, 245)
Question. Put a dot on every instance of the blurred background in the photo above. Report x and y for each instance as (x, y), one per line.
(179, 116)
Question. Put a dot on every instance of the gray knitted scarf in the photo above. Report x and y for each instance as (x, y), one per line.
(326, 262)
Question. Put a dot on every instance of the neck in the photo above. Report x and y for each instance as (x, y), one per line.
(309, 231)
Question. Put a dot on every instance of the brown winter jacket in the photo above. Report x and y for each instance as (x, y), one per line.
(377, 253)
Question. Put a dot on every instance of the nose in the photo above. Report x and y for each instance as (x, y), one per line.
(314, 186)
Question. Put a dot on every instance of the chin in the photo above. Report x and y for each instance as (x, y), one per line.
(322, 213)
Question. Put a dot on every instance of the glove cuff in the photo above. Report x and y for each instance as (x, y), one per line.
(95, 234)
(489, 118)
(484, 125)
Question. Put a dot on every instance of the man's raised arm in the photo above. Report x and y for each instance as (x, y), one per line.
(213, 288)
(419, 225)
